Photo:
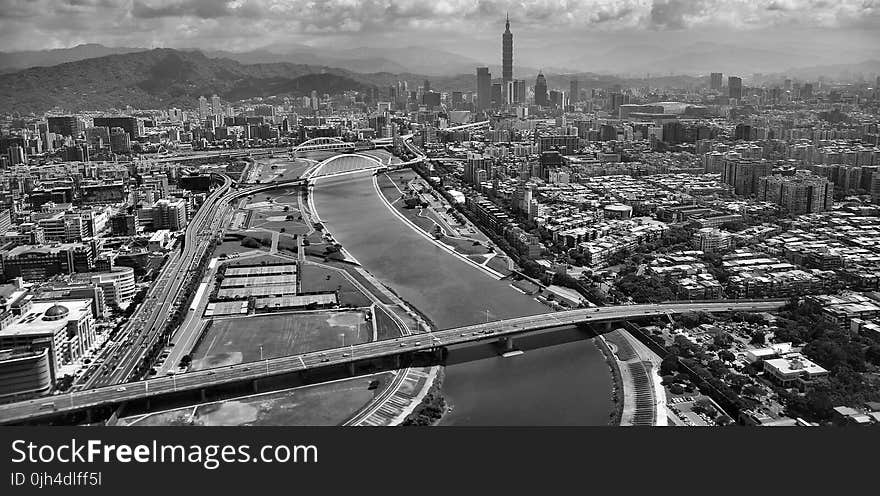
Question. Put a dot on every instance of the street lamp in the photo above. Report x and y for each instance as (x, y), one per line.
(342, 335)
(261, 352)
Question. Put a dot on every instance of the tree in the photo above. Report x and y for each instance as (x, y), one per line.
(704, 405)
(759, 338)
(669, 364)
(872, 354)
(249, 242)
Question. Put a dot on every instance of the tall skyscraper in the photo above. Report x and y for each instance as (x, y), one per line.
(203, 108)
(497, 94)
(715, 81)
(574, 91)
(484, 88)
(519, 91)
(216, 108)
(735, 87)
(507, 53)
(541, 97)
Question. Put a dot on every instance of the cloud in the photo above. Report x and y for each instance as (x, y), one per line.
(242, 24)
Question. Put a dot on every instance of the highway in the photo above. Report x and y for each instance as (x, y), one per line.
(73, 401)
(146, 325)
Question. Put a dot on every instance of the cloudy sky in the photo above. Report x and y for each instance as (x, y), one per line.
(553, 30)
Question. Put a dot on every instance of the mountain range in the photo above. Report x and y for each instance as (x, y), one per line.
(164, 77)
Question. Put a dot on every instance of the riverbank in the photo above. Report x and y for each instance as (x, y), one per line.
(428, 236)
(616, 381)
(565, 384)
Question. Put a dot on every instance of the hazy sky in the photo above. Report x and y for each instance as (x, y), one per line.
(470, 27)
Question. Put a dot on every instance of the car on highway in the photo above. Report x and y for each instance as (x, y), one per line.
(120, 389)
(325, 359)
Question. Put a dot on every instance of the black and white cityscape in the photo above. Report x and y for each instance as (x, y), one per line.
(440, 212)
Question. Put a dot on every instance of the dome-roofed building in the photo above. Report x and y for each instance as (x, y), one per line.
(56, 312)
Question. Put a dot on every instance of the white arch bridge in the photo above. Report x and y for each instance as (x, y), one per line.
(347, 163)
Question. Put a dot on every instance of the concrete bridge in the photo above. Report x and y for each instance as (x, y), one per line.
(388, 352)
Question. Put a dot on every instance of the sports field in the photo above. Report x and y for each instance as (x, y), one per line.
(331, 403)
(238, 340)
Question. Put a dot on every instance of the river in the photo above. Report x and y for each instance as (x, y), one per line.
(561, 384)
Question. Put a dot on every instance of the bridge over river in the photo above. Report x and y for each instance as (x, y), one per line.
(253, 373)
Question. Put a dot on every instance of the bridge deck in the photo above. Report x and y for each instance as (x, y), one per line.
(50, 405)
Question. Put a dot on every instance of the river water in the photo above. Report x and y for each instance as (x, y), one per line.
(560, 384)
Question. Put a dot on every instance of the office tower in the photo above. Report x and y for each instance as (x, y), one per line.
(715, 81)
(507, 53)
(130, 125)
(497, 94)
(66, 125)
(203, 108)
(314, 100)
(616, 100)
(519, 91)
(216, 108)
(541, 97)
(457, 100)
(484, 88)
(16, 155)
(807, 91)
(427, 86)
(574, 92)
(735, 87)
(119, 141)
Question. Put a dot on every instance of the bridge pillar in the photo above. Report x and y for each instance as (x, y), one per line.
(255, 386)
(88, 415)
(397, 361)
(202, 394)
(507, 344)
(351, 368)
(608, 326)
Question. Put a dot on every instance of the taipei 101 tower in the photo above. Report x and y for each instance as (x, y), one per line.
(507, 54)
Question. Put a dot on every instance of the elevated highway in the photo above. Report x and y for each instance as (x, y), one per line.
(501, 330)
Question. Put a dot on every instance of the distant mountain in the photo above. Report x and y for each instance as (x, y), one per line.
(14, 61)
(161, 78)
(868, 70)
(419, 60)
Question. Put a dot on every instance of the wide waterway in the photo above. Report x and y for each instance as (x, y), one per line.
(562, 384)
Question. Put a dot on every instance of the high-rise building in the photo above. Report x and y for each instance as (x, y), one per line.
(477, 169)
(542, 99)
(715, 81)
(574, 92)
(807, 91)
(65, 125)
(216, 108)
(203, 108)
(735, 87)
(799, 194)
(16, 155)
(497, 94)
(743, 174)
(131, 125)
(484, 88)
(507, 53)
(119, 141)
(519, 91)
